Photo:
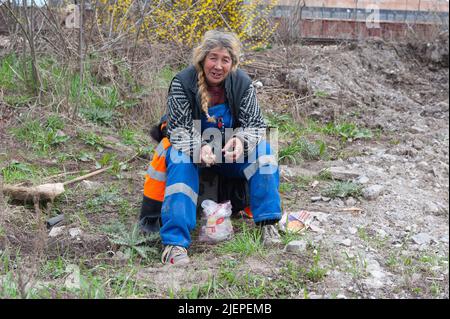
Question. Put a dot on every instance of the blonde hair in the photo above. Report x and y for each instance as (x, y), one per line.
(211, 40)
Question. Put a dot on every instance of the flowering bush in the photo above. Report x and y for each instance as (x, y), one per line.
(185, 21)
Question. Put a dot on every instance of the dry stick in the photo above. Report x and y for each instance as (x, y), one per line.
(80, 48)
(101, 170)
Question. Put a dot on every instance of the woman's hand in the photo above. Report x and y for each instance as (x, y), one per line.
(207, 156)
(237, 146)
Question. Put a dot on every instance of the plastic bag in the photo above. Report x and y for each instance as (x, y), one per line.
(295, 221)
(216, 223)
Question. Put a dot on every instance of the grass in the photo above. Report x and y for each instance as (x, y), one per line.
(316, 273)
(245, 243)
(42, 137)
(342, 189)
(300, 135)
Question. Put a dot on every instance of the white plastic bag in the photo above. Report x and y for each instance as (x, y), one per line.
(216, 223)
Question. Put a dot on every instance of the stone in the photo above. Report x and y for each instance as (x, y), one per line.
(326, 199)
(352, 230)
(431, 207)
(75, 232)
(296, 246)
(90, 185)
(73, 279)
(346, 242)
(258, 84)
(342, 173)
(350, 202)
(56, 231)
(422, 239)
(372, 192)
(316, 198)
(363, 179)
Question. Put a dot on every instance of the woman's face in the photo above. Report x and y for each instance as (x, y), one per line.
(217, 65)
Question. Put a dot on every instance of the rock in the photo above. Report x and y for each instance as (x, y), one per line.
(90, 185)
(337, 202)
(56, 231)
(120, 256)
(341, 173)
(341, 296)
(418, 144)
(381, 232)
(326, 199)
(422, 239)
(363, 179)
(431, 207)
(350, 202)
(296, 246)
(258, 84)
(316, 198)
(75, 232)
(298, 80)
(73, 279)
(352, 230)
(419, 129)
(270, 82)
(346, 242)
(372, 192)
(444, 239)
(424, 167)
(286, 171)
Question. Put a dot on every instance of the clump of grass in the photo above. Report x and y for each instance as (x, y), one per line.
(342, 189)
(247, 242)
(316, 273)
(347, 131)
(16, 171)
(43, 137)
(302, 149)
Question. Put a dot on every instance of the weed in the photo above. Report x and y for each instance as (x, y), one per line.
(100, 116)
(288, 236)
(342, 189)
(321, 94)
(42, 138)
(54, 268)
(128, 137)
(346, 131)
(316, 273)
(286, 187)
(246, 243)
(16, 171)
(356, 265)
(93, 140)
(304, 149)
(133, 241)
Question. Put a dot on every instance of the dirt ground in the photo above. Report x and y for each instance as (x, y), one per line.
(396, 245)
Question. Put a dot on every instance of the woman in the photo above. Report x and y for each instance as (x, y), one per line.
(213, 120)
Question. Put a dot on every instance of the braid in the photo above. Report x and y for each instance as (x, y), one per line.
(204, 98)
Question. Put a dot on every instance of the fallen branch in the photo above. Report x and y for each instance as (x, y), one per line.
(48, 192)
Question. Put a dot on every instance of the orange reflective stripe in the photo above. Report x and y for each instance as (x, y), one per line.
(159, 163)
(154, 189)
(166, 143)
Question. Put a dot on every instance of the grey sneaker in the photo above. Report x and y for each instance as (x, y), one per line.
(270, 236)
(175, 255)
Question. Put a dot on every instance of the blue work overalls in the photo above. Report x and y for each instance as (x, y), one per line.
(178, 211)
